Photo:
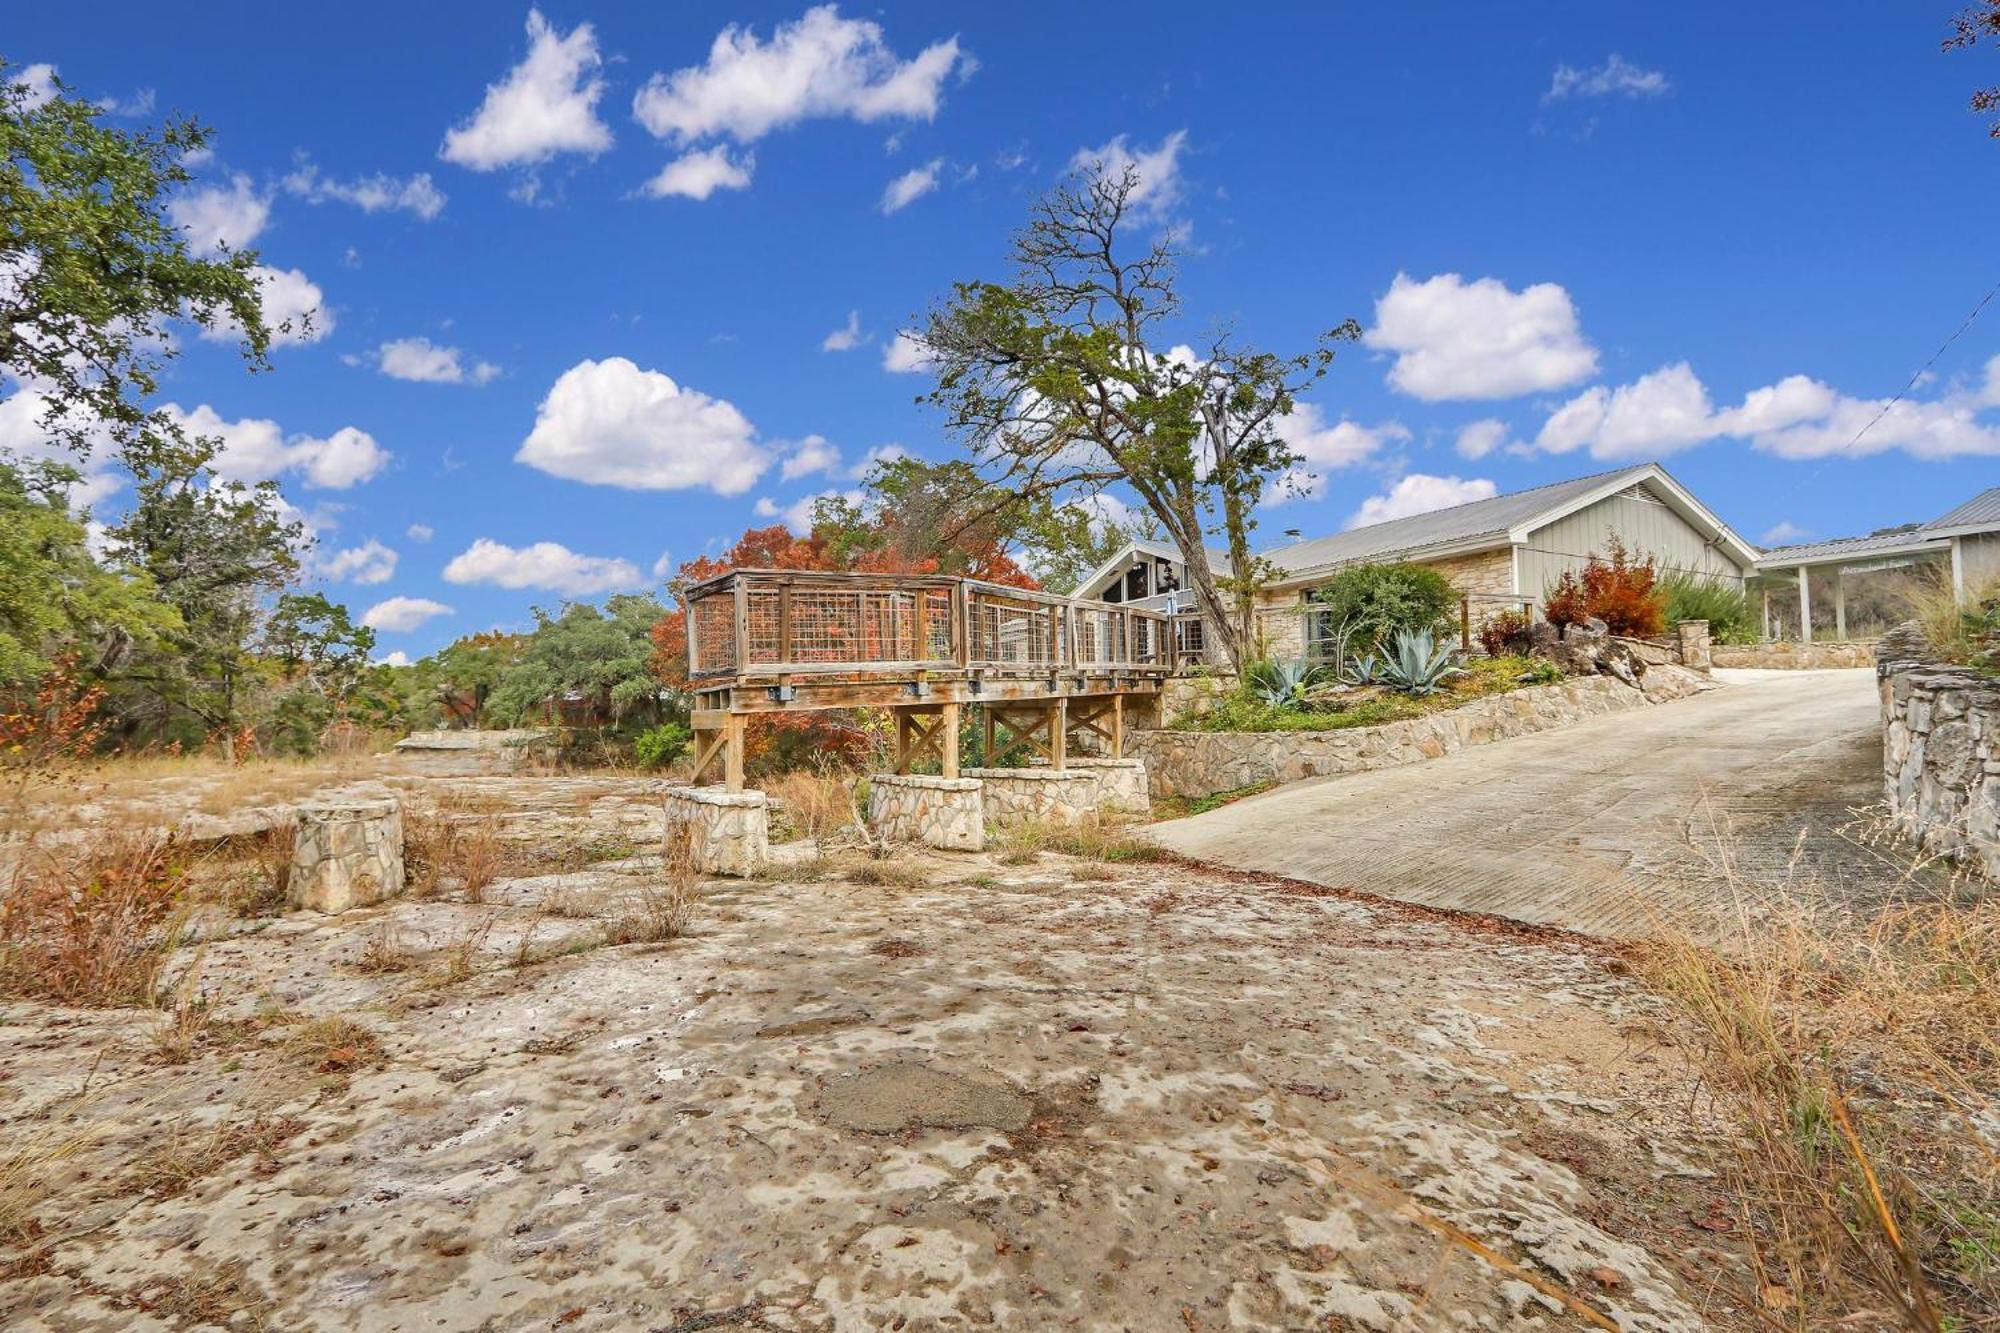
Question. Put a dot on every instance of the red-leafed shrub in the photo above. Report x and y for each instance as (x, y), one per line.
(1502, 630)
(1619, 588)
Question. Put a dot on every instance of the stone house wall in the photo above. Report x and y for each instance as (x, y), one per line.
(1941, 751)
(1281, 611)
(1795, 656)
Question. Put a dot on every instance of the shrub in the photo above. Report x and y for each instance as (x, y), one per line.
(1725, 606)
(1376, 602)
(658, 747)
(95, 929)
(1502, 630)
(1621, 590)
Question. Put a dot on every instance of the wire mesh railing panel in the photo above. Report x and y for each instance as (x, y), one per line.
(1012, 633)
(763, 607)
(714, 635)
(937, 624)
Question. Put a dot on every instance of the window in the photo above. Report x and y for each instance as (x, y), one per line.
(1321, 635)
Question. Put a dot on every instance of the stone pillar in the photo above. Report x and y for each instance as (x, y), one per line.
(731, 829)
(346, 854)
(1036, 795)
(1696, 652)
(1122, 785)
(947, 813)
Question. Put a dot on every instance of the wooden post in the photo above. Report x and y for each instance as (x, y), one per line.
(1058, 731)
(742, 593)
(1118, 726)
(920, 623)
(695, 665)
(732, 751)
(902, 759)
(986, 734)
(948, 742)
(785, 623)
(1805, 606)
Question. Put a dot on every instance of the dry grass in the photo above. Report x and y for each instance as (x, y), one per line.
(811, 805)
(200, 783)
(385, 952)
(1858, 1057)
(262, 881)
(225, 1299)
(665, 910)
(1940, 612)
(451, 847)
(191, 1153)
(896, 872)
(185, 1022)
(461, 956)
(333, 1046)
(25, 1171)
(93, 928)
(1095, 838)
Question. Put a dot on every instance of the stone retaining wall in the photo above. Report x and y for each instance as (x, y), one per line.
(1037, 795)
(1941, 751)
(948, 813)
(1794, 656)
(1122, 785)
(1199, 763)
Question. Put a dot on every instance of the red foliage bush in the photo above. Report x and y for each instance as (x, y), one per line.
(1500, 632)
(1621, 589)
(91, 928)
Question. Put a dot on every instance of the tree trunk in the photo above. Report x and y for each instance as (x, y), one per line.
(1214, 611)
(1242, 587)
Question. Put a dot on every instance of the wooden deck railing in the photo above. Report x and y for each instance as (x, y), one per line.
(779, 622)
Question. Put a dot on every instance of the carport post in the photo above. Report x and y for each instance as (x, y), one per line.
(1840, 604)
(1805, 606)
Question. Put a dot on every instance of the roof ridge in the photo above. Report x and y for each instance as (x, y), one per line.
(1467, 504)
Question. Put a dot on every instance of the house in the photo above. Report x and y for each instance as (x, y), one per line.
(1963, 545)
(1500, 553)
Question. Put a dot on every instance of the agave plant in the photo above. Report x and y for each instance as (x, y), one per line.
(1419, 664)
(1363, 670)
(1283, 684)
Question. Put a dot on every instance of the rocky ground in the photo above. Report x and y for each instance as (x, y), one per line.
(1021, 1090)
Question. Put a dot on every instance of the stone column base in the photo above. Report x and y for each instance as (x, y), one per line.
(947, 813)
(1122, 785)
(347, 854)
(731, 829)
(1036, 795)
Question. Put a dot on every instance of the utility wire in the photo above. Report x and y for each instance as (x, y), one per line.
(1924, 369)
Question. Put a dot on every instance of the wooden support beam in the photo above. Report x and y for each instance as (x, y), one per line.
(948, 721)
(1805, 606)
(1058, 732)
(1840, 604)
(732, 751)
(1117, 726)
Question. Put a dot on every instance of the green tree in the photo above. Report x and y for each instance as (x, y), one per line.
(93, 272)
(322, 661)
(462, 675)
(600, 655)
(54, 596)
(1377, 602)
(1063, 382)
(217, 551)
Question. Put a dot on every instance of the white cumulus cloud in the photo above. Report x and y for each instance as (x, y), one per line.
(257, 449)
(611, 423)
(845, 338)
(1616, 77)
(549, 565)
(1481, 438)
(699, 173)
(426, 362)
(1158, 187)
(798, 515)
(911, 186)
(369, 563)
(1455, 339)
(399, 615)
(420, 532)
(904, 355)
(374, 193)
(1324, 446)
(1420, 493)
(820, 66)
(1783, 532)
(810, 455)
(294, 309)
(39, 84)
(221, 217)
(545, 105)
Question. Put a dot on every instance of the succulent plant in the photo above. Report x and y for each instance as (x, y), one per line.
(1419, 664)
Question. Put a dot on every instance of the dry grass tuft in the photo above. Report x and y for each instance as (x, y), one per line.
(191, 1154)
(461, 957)
(1941, 613)
(811, 805)
(93, 928)
(1859, 1057)
(334, 1046)
(226, 1299)
(664, 911)
(451, 846)
(385, 952)
(895, 872)
(263, 881)
(185, 1022)
(25, 1169)
(1095, 838)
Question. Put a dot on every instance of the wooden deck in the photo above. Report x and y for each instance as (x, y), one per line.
(924, 648)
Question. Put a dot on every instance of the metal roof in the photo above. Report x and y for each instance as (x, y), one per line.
(1880, 543)
(1465, 523)
(1981, 511)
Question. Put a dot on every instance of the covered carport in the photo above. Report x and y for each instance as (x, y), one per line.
(1799, 584)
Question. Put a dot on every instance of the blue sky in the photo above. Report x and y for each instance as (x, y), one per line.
(1579, 234)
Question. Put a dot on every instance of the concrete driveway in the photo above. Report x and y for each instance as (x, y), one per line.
(1608, 827)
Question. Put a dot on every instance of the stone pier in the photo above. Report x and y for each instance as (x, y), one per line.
(347, 854)
(1036, 795)
(731, 829)
(947, 813)
(1122, 785)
